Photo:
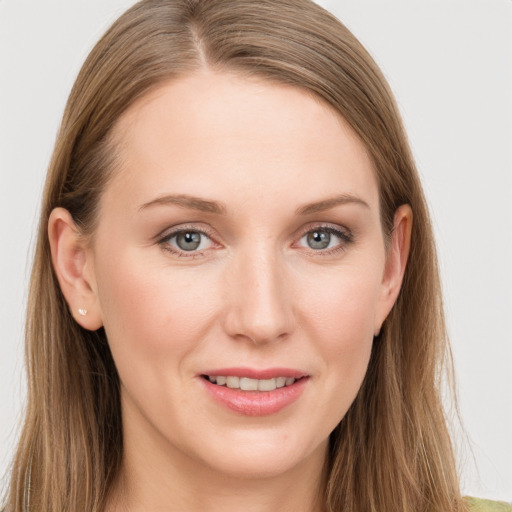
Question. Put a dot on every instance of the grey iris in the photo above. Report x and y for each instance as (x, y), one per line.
(188, 240)
(319, 239)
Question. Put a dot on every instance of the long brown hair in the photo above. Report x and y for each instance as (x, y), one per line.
(392, 450)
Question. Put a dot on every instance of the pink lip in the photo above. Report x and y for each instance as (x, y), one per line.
(256, 403)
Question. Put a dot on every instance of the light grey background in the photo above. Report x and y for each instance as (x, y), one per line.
(449, 64)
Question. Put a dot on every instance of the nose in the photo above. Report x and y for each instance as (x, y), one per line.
(259, 305)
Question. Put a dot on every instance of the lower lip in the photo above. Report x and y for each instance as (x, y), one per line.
(256, 403)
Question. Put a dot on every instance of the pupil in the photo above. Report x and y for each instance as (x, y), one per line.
(319, 239)
(188, 241)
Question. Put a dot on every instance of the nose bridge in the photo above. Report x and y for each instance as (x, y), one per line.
(260, 304)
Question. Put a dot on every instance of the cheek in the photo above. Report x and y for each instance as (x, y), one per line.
(339, 314)
(345, 330)
(148, 308)
(342, 303)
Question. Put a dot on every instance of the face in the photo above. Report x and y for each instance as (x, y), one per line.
(240, 272)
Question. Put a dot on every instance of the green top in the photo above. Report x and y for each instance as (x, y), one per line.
(478, 505)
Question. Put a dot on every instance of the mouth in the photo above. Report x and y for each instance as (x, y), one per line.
(255, 392)
(249, 384)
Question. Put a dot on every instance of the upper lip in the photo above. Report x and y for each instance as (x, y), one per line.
(253, 373)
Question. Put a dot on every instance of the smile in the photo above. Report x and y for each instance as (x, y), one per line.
(255, 392)
(248, 384)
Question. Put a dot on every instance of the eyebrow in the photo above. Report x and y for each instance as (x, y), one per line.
(327, 204)
(186, 201)
(208, 206)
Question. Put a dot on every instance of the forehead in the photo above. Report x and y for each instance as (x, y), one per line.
(220, 134)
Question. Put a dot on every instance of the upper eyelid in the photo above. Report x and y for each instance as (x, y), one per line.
(326, 226)
(169, 232)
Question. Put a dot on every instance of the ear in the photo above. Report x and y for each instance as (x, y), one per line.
(73, 264)
(396, 261)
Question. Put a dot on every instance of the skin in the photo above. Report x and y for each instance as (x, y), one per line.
(254, 294)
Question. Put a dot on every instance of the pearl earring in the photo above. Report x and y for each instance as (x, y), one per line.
(82, 312)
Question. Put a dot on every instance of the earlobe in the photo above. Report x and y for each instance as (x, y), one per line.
(396, 261)
(73, 267)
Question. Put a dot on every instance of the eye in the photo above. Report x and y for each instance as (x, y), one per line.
(325, 239)
(318, 239)
(187, 241)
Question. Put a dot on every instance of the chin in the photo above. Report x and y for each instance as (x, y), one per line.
(265, 457)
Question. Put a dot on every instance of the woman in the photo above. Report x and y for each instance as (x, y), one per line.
(235, 301)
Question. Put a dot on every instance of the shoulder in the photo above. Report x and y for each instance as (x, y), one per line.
(479, 505)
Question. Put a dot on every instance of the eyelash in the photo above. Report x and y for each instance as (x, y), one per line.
(346, 238)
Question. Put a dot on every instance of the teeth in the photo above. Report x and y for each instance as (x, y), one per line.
(233, 382)
(246, 384)
(267, 385)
